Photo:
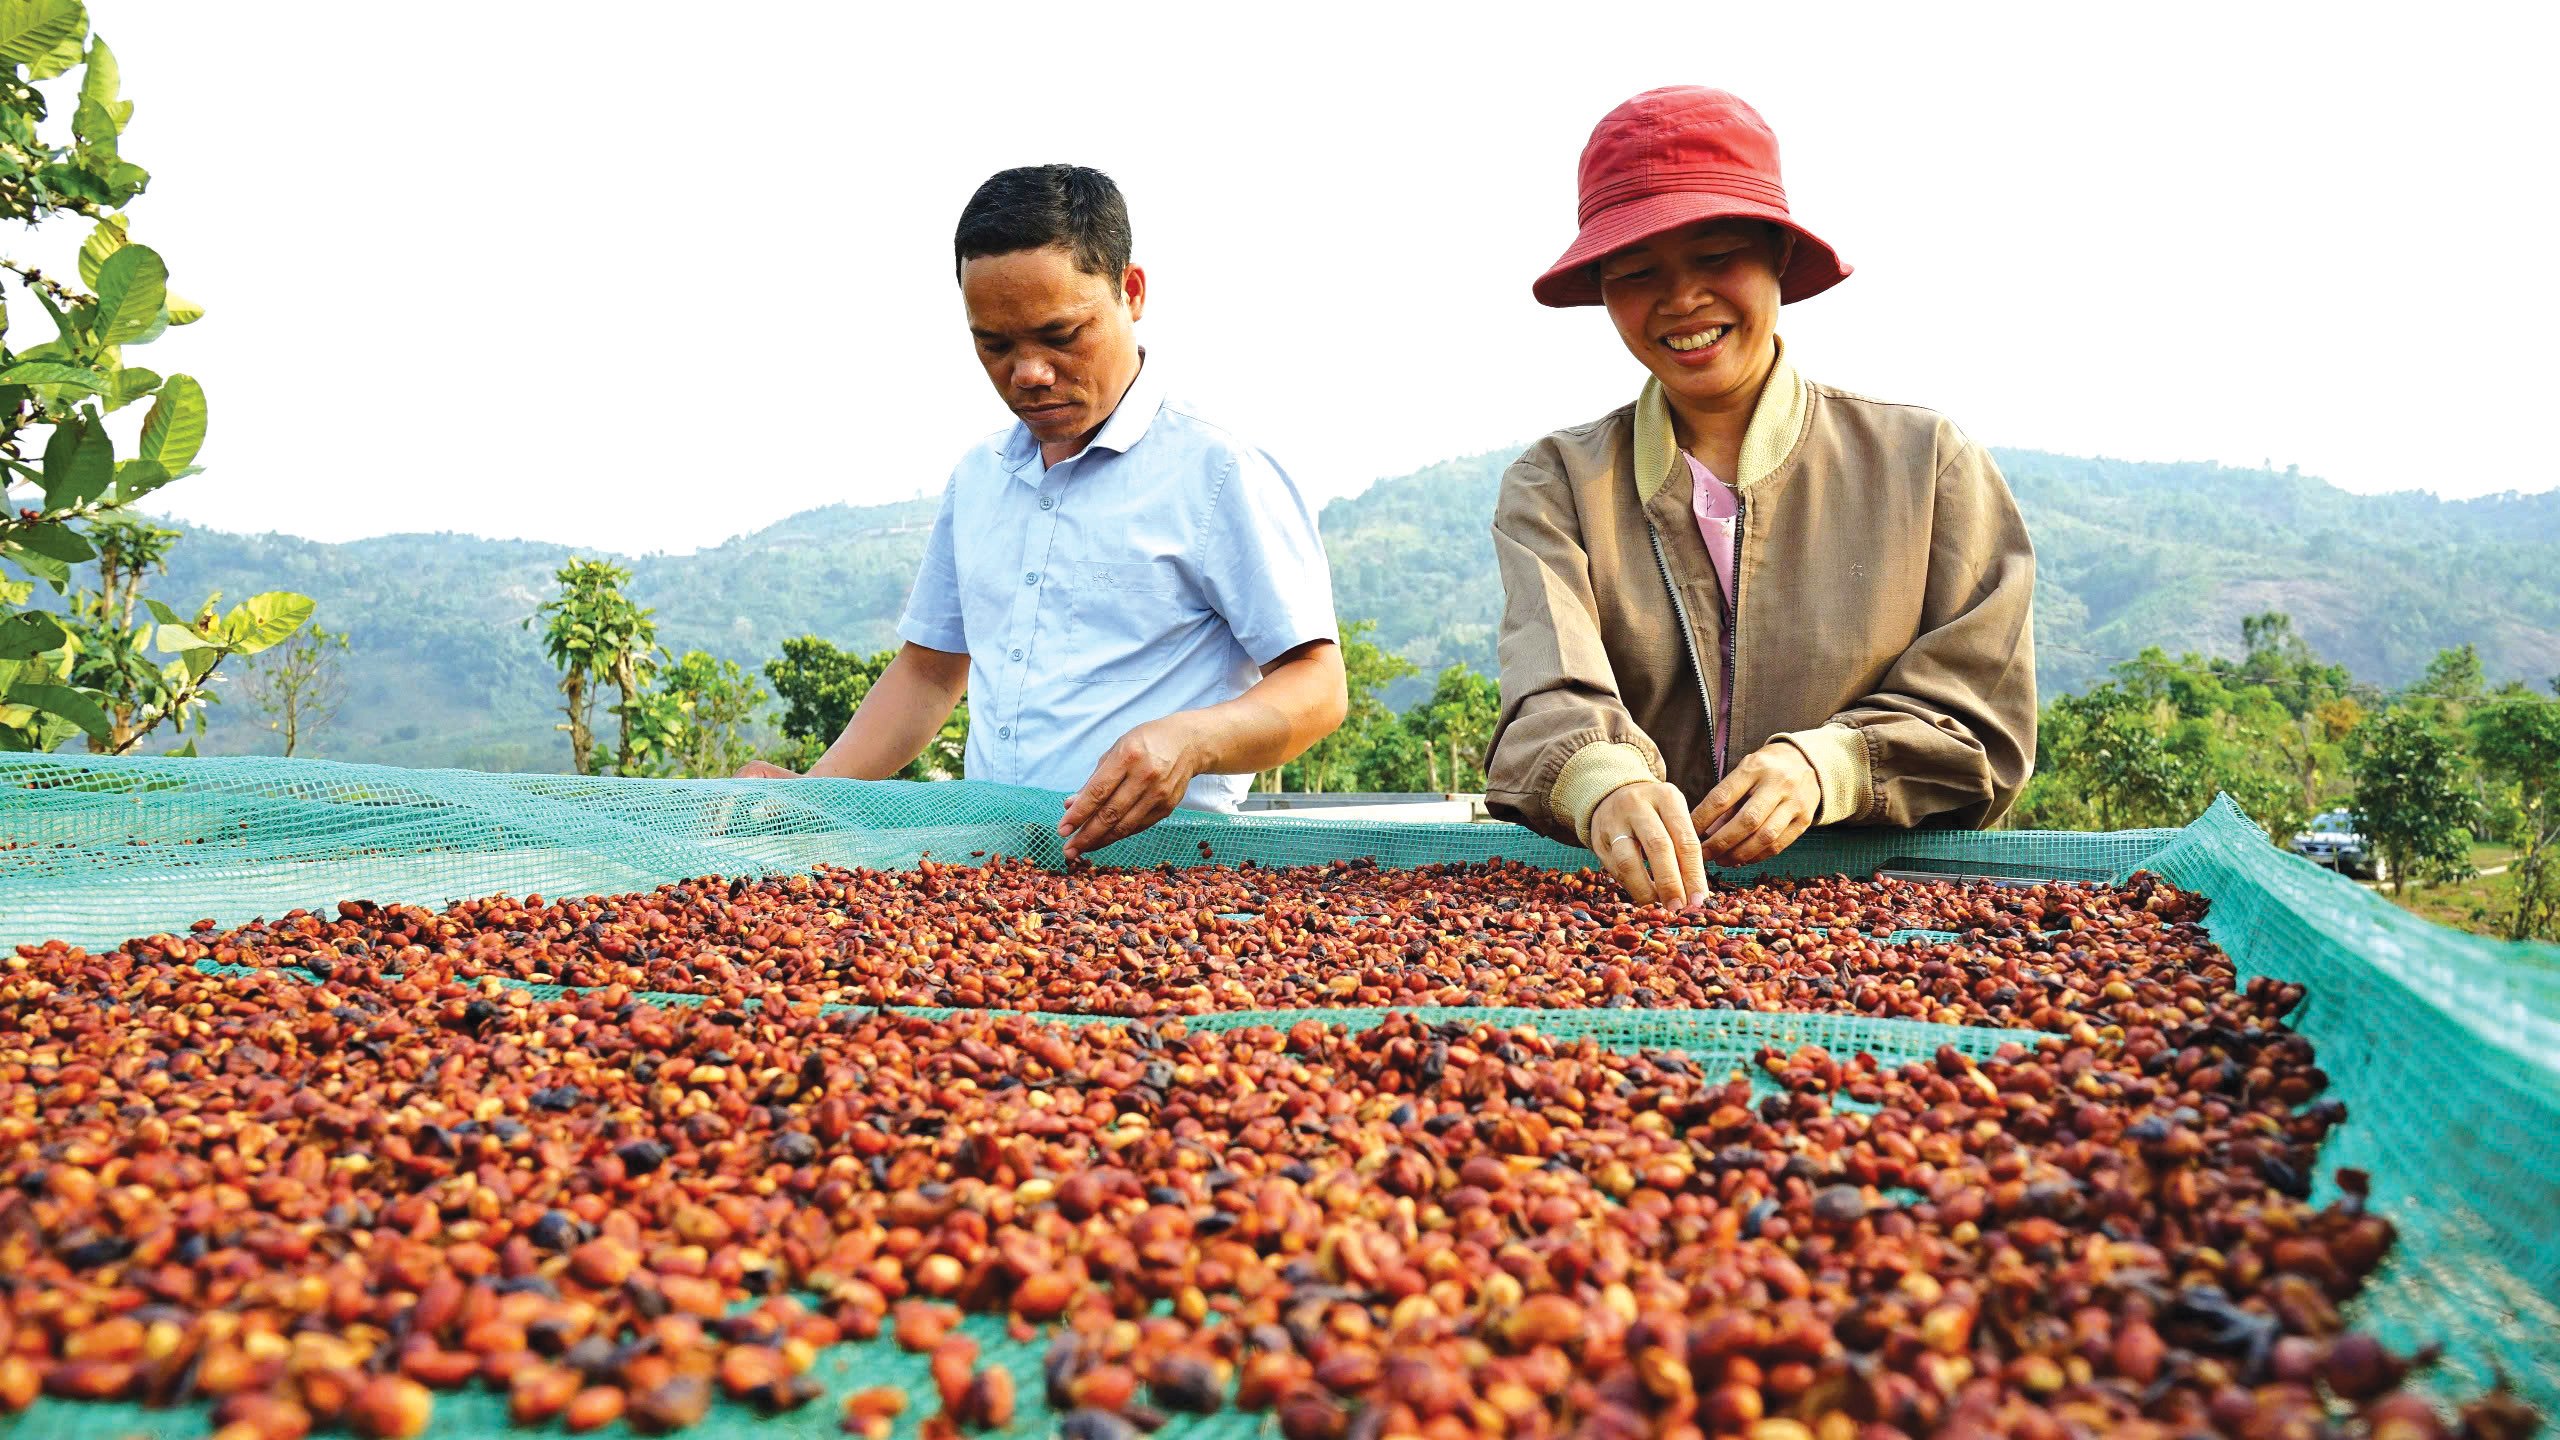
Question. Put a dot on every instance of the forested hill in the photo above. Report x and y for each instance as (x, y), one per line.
(443, 673)
(2128, 555)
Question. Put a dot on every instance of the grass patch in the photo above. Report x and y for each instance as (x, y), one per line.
(2486, 854)
(2474, 905)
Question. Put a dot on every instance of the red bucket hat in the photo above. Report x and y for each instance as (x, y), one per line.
(1675, 157)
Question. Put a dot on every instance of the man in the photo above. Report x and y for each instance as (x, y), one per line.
(1134, 599)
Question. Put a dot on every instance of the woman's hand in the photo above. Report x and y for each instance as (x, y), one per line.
(1760, 806)
(1644, 835)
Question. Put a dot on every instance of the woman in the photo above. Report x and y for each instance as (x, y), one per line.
(1852, 573)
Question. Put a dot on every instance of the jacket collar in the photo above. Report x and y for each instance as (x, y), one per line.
(1775, 423)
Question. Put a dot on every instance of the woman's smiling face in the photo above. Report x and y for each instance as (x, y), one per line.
(1699, 306)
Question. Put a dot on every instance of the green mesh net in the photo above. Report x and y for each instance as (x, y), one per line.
(2445, 1047)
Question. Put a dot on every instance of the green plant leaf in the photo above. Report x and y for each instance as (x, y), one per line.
(103, 78)
(178, 639)
(63, 327)
(174, 430)
(133, 285)
(29, 29)
(137, 478)
(186, 751)
(105, 238)
(52, 572)
(53, 372)
(79, 464)
(132, 383)
(31, 633)
(57, 61)
(79, 707)
(183, 311)
(265, 620)
(94, 126)
(71, 180)
(57, 542)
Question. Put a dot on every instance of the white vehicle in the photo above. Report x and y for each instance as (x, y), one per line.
(2332, 841)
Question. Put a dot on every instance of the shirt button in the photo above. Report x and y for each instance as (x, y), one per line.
(1048, 502)
(1017, 654)
(1004, 732)
(1030, 577)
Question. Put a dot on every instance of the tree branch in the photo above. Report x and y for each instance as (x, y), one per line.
(36, 279)
(150, 718)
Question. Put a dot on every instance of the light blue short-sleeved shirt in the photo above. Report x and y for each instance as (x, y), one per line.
(1155, 571)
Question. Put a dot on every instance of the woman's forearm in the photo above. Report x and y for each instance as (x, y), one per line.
(901, 715)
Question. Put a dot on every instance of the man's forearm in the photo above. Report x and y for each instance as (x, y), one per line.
(1298, 701)
(901, 715)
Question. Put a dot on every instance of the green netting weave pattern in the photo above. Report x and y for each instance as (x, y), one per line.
(2445, 1048)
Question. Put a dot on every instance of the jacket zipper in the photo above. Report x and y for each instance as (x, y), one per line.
(1689, 640)
(1733, 621)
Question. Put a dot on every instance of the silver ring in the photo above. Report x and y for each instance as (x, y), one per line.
(1620, 840)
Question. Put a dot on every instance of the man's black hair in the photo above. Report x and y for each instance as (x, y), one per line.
(1039, 205)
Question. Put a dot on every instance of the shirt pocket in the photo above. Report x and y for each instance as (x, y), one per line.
(1120, 617)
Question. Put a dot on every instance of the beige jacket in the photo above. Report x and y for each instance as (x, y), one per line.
(1884, 585)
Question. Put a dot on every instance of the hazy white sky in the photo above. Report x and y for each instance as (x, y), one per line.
(642, 276)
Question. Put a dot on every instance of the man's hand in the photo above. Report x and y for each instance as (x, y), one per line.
(1643, 834)
(1140, 780)
(1760, 806)
(761, 770)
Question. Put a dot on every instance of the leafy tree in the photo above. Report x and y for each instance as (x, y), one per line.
(115, 645)
(719, 703)
(2104, 762)
(597, 637)
(820, 686)
(1403, 760)
(2153, 744)
(2455, 676)
(946, 755)
(1335, 762)
(2413, 800)
(2322, 701)
(2238, 753)
(2453, 687)
(2517, 743)
(655, 727)
(2276, 657)
(1440, 744)
(297, 685)
(56, 395)
(2314, 749)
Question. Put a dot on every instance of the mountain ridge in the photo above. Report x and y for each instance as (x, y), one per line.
(443, 671)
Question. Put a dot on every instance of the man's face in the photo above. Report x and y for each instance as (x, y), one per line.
(1699, 307)
(1060, 345)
